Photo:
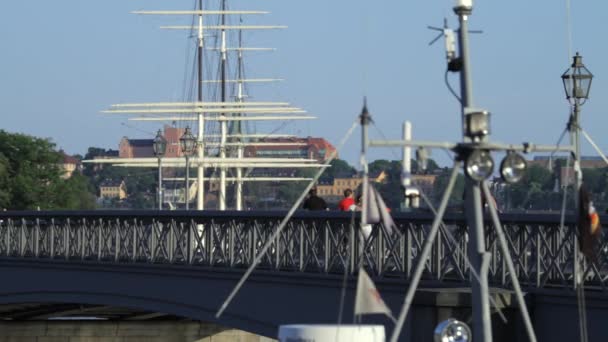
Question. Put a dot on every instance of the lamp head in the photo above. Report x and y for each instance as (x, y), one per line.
(479, 165)
(159, 144)
(513, 167)
(187, 142)
(452, 330)
(577, 79)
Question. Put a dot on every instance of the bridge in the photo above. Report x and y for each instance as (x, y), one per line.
(173, 265)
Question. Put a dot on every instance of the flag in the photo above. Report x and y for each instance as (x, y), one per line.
(589, 227)
(376, 210)
(368, 300)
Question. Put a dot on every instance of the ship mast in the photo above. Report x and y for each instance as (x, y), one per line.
(200, 197)
(222, 194)
(239, 131)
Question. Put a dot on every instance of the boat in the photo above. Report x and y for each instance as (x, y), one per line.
(212, 147)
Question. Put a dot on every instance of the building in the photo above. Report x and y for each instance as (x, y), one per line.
(69, 164)
(333, 191)
(142, 148)
(566, 174)
(587, 162)
(173, 192)
(113, 189)
(135, 148)
(108, 154)
(309, 147)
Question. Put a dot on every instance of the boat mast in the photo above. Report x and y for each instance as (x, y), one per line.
(200, 198)
(239, 132)
(222, 199)
(478, 255)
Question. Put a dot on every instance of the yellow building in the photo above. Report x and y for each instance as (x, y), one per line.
(113, 189)
(335, 191)
(68, 165)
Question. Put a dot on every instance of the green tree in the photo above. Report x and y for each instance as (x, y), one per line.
(30, 176)
(338, 168)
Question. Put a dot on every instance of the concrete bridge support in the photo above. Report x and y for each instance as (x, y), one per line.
(104, 331)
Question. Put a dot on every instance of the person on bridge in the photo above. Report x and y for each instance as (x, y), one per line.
(348, 202)
(314, 202)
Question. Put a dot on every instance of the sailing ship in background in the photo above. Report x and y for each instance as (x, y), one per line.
(220, 148)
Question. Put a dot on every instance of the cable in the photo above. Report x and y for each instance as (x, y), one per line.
(569, 29)
(447, 83)
(283, 223)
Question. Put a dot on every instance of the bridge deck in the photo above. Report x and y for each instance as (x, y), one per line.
(314, 243)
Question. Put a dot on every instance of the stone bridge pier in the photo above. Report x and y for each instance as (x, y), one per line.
(123, 331)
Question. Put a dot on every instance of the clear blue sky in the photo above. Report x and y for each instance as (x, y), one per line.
(65, 60)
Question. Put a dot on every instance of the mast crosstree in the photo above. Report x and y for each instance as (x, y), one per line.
(226, 113)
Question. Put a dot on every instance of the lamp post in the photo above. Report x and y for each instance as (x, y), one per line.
(188, 145)
(577, 83)
(159, 146)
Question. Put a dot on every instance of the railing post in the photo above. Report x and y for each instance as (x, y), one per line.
(436, 263)
(380, 249)
(52, 243)
(538, 256)
(277, 249)
(351, 247)
(190, 242)
(22, 242)
(135, 243)
(231, 233)
(409, 253)
(152, 241)
(36, 238)
(210, 243)
(116, 242)
(172, 248)
(83, 226)
(302, 242)
(326, 249)
(66, 237)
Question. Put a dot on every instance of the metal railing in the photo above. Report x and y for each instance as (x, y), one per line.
(312, 242)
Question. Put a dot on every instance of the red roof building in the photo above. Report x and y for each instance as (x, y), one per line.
(142, 148)
(309, 147)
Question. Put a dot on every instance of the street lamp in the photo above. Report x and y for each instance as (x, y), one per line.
(577, 80)
(577, 83)
(159, 145)
(188, 145)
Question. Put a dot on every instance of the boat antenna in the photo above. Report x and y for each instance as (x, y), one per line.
(200, 198)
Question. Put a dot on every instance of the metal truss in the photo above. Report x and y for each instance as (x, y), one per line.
(314, 243)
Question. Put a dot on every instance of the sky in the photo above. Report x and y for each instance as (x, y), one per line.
(64, 61)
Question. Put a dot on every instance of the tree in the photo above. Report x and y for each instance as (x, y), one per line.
(30, 176)
(338, 168)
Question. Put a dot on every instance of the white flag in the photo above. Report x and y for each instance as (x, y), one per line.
(376, 209)
(368, 300)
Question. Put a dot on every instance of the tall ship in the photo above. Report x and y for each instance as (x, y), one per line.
(216, 122)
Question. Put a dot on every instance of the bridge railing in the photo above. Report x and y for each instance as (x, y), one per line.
(312, 242)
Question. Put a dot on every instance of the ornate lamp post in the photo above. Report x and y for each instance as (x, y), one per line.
(577, 83)
(159, 146)
(188, 145)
